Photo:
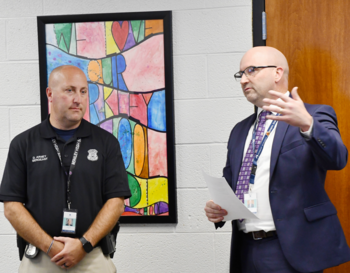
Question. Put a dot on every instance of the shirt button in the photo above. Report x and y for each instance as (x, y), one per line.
(65, 155)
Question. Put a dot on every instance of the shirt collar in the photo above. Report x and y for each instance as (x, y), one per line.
(46, 130)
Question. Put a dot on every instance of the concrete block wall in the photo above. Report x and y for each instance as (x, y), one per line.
(209, 38)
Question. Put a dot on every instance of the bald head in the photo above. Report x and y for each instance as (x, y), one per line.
(265, 55)
(67, 94)
(59, 73)
(269, 71)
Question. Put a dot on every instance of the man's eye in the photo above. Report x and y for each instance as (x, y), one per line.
(250, 70)
(69, 90)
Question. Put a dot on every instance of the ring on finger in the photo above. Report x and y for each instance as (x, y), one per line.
(281, 111)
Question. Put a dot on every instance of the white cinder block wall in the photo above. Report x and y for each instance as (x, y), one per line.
(209, 38)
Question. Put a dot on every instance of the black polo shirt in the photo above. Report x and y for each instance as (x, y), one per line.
(33, 175)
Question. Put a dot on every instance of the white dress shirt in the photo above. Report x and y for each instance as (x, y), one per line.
(262, 181)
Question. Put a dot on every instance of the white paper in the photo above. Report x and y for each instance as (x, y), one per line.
(223, 195)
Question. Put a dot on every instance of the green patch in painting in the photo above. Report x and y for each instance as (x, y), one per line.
(141, 32)
(107, 70)
(135, 191)
(63, 35)
(135, 28)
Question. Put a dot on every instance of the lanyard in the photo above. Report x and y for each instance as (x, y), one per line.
(261, 147)
(72, 165)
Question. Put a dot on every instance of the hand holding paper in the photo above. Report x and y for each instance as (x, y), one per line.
(224, 197)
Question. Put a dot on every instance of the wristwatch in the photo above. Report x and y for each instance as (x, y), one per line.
(86, 245)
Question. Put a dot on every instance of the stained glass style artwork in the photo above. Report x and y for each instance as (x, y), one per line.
(129, 96)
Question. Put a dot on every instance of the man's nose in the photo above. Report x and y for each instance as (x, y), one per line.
(77, 98)
(244, 79)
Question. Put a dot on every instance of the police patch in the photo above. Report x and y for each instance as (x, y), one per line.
(92, 156)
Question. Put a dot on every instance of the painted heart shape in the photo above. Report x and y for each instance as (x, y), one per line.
(120, 33)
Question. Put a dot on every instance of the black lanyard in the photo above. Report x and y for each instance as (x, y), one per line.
(72, 165)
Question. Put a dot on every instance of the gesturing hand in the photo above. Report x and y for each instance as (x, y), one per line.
(71, 254)
(291, 110)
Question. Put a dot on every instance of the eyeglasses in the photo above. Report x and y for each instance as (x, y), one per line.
(250, 71)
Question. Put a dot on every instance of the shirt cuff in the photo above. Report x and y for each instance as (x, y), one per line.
(308, 133)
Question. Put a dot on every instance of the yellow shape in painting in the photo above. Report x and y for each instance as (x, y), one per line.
(106, 92)
(139, 149)
(157, 190)
(111, 46)
(108, 111)
(95, 71)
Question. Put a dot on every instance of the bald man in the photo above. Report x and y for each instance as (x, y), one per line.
(65, 168)
(279, 158)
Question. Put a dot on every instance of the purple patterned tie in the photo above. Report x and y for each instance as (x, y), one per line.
(244, 173)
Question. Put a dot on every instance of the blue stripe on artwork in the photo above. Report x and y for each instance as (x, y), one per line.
(93, 115)
(156, 111)
(114, 71)
(121, 63)
(122, 85)
(55, 57)
(93, 93)
(125, 141)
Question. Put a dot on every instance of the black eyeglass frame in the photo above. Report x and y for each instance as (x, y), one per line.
(239, 74)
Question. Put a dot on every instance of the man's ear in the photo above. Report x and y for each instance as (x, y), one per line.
(49, 94)
(279, 74)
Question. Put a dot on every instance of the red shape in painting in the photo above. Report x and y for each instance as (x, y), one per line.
(138, 108)
(147, 97)
(112, 101)
(157, 153)
(123, 102)
(120, 33)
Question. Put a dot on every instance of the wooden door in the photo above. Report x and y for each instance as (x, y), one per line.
(315, 38)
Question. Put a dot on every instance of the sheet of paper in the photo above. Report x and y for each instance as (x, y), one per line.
(223, 195)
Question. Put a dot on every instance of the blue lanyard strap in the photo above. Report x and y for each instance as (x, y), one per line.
(261, 147)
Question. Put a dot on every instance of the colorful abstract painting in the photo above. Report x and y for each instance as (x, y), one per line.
(124, 62)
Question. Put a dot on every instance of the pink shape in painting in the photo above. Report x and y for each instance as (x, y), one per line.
(138, 108)
(146, 64)
(91, 40)
(123, 98)
(157, 153)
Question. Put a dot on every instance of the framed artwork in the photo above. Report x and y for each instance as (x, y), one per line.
(127, 60)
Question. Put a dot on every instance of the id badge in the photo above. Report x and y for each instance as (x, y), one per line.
(251, 202)
(69, 221)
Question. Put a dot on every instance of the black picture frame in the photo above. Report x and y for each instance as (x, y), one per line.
(166, 16)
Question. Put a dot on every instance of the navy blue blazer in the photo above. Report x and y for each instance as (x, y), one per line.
(306, 221)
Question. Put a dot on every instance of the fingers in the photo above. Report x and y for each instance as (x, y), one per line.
(210, 204)
(295, 94)
(214, 212)
(280, 95)
(216, 220)
(66, 266)
(57, 257)
(60, 239)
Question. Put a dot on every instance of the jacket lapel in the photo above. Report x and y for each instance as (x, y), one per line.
(277, 143)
